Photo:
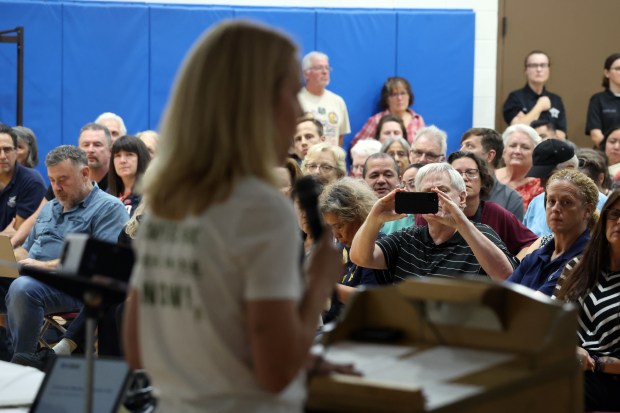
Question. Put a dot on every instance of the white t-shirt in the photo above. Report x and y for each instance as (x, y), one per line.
(193, 278)
(330, 110)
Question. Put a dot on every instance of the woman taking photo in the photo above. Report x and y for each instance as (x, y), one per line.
(396, 99)
(593, 284)
(128, 161)
(220, 238)
(519, 143)
(604, 107)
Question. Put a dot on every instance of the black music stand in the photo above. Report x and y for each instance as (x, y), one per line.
(94, 292)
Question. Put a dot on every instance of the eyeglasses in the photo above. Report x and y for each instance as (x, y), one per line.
(429, 155)
(7, 150)
(320, 68)
(323, 167)
(537, 65)
(613, 215)
(469, 173)
(615, 69)
(398, 95)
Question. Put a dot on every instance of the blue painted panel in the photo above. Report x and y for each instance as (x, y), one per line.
(42, 71)
(362, 49)
(105, 65)
(299, 24)
(173, 32)
(436, 53)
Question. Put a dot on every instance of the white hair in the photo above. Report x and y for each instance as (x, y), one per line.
(366, 147)
(456, 180)
(306, 62)
(528, 130)
(110, 115)
(436, 134)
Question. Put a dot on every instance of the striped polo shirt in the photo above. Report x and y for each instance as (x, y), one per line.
(411, 252)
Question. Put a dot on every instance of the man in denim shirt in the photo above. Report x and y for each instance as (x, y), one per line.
(79, 207)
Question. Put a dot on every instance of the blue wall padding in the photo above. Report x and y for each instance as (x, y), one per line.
(42, 71)
(105, 65)
(84, 58)
(173, 32)
(362, 49)
(436, 51)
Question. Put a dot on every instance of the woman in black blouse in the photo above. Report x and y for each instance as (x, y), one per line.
(593, 284)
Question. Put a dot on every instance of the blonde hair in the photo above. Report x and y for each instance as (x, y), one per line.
(337, 152)
(219, 125)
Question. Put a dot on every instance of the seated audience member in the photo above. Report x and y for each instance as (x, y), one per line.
(593, 163)
(478, 182)
(21, 188)
(129, 159)
(108, 324)
(309, 132)
(611, 146)
(488, 145)
(396, 99)
(382, 175)
(114, 123)
(359, 153)
(592, 283)
(345, 204)
(549, 157)
(519, 144)
(287, 175)
(326, 161)
(429, 145)
(96, 142)
(151, 140)
(390, 126)
(397, 148)
(450, 245)
(27, 148)
(571, 199)
(79, 207)
(534, 101)
(545, 129)
(408, 177)
(604, 107)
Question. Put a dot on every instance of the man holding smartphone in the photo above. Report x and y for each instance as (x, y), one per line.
(450, 245)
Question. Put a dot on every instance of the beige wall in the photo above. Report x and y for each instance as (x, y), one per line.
(578, 35)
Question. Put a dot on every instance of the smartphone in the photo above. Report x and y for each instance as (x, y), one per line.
(416, 203)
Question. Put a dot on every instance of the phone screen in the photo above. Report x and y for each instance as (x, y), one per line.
(416, 203)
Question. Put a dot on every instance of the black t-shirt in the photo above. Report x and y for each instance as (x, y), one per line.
(603, 112)
(523, 100)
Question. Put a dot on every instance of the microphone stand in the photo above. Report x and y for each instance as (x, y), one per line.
(94, 292)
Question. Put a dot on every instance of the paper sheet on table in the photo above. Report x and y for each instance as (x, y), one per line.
(18, 384)
(429, 369)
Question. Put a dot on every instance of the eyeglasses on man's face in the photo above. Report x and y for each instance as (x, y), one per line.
(320, 68)
(429, 155)
(7, 150)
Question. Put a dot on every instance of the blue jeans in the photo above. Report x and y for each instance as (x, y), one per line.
(27, 301)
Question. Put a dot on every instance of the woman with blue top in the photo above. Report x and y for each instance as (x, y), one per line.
(571, 210)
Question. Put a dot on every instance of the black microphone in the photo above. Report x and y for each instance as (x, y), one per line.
(307, 190)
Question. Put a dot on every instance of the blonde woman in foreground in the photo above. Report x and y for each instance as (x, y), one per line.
(219, 313)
